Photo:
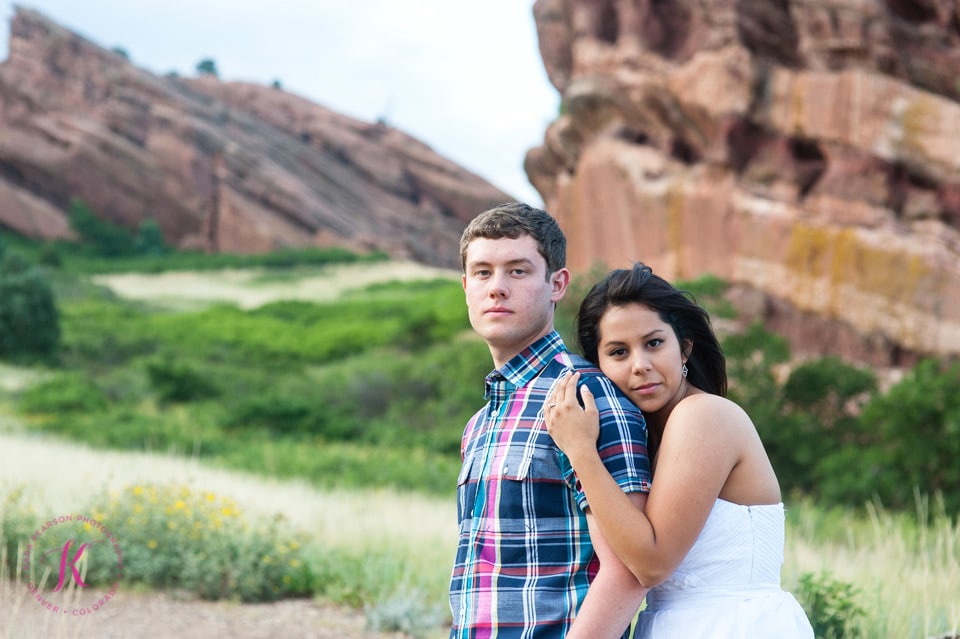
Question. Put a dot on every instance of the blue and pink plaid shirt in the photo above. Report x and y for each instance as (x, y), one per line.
(524, 559)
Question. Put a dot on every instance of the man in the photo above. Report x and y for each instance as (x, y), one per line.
(526, 565)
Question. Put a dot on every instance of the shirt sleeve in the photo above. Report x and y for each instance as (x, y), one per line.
(622, 443)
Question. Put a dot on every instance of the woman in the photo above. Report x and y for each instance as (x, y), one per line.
(710, 539)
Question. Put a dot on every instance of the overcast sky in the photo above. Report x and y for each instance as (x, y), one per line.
(464, 77)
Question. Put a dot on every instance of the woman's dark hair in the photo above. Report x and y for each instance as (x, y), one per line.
(706, 364)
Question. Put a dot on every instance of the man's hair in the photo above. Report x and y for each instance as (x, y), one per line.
(513, 220)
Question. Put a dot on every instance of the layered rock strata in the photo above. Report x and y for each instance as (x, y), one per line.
(809, 150)
(220, 166)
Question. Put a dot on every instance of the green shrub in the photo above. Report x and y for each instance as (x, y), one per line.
(17, 517)
(277, 414)
(821, 403)
(406, 610)
(830, 605)
(63, 394)
(174, 536)
(101, 236)
(29, 317)
(49, 255)
(909, 440)
(149, 239)
(177, 381)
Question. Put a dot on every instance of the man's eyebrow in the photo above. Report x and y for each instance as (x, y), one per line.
(524, 261)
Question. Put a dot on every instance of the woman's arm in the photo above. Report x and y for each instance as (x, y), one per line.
(695, 458)
(614, 596)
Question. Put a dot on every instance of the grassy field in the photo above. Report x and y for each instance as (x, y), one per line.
(906, 574)
(378, 548)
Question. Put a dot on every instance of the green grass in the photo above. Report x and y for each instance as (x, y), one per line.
(74, 258)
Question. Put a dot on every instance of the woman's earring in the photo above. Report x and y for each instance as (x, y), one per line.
(683, 371)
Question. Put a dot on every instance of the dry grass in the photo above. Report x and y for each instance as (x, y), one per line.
(64, 476)
(249, 288)
(907, 574)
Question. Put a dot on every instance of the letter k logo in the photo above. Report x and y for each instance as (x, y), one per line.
(72, 563)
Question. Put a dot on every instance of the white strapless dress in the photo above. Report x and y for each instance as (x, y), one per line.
(728, 585)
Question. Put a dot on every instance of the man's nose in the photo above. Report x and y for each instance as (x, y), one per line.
(498, 286)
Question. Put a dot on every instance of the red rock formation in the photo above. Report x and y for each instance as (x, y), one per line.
(808, 149)
(220, 166)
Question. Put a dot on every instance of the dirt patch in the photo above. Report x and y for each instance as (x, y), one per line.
(61, 477)
(164, 615)
(249, 288)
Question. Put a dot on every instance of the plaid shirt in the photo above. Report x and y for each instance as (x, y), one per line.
(524, 559)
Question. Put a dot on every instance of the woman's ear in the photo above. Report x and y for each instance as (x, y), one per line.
(686, 349)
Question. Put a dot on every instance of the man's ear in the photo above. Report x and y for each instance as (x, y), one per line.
(559, 281)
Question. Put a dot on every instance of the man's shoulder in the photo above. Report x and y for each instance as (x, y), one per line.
(566, 360)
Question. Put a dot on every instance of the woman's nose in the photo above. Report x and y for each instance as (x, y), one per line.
(641, 363)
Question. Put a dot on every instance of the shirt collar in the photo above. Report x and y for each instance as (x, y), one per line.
(524, 366)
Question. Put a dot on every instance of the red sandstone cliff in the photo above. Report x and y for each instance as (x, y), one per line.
(220, 166)
(806, 149)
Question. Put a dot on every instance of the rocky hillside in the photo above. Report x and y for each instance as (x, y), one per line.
(221, 166)
(808, 150)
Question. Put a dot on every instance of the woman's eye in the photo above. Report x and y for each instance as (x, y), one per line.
(655, 342)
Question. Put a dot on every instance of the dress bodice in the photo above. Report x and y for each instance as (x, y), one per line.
(738, 546)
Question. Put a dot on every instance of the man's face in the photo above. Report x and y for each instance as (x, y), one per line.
(510, 299)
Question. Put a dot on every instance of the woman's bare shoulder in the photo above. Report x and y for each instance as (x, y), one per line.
(702, 408)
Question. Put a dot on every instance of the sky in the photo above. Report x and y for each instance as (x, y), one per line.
(465, 78)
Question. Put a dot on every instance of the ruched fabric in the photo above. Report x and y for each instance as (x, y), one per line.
(728, 585)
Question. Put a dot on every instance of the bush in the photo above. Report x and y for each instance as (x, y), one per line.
(177, 381)
(63, 394)
(29, 318)
(822, 400)
(277, 414)
(909, 440)
(176, 537)
(103, 237)
(830, 605)
(149, 239)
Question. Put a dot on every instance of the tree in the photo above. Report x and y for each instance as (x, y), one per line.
(105, 238)
(29, 319)
(207, 66)
(149, 239)
(912, 442)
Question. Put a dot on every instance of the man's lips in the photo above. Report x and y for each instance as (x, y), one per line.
(497, 310)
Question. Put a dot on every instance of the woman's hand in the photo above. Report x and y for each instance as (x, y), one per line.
(574, 429)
